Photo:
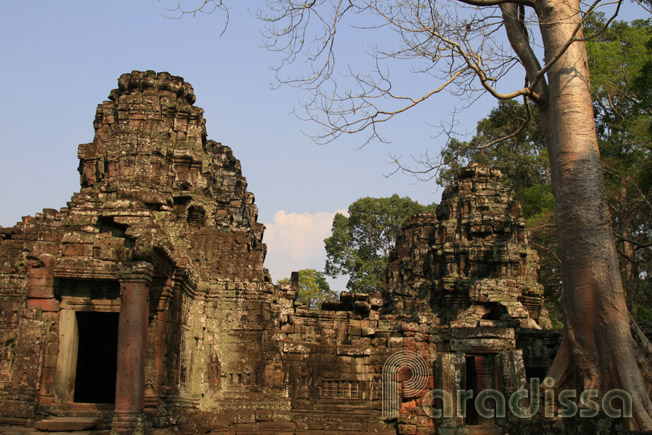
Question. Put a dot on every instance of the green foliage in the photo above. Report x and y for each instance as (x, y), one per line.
(360, 243)
(537, 200)
(313, 287)
(620, 60)
(643, 84)
(543, 237)
(522, 158)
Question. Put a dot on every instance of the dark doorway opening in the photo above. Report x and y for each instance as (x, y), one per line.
(97, 357)
(535, 372)
(480, 375)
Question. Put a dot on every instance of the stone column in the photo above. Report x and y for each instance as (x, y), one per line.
(132, 348)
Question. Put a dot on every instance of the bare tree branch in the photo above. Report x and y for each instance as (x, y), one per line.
(639, 245)
(206, 7)
(519, 40)
(498, 2)
(540, 74)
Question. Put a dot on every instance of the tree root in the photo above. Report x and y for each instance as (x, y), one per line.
(607, 367)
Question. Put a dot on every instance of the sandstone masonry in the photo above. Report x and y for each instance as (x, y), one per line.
(144, 304)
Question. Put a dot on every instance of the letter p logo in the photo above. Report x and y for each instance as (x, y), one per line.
(404, 369)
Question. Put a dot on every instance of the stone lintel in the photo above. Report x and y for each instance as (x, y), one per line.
(479, 340)
(480, 332)
(86, 270)
(140, 271)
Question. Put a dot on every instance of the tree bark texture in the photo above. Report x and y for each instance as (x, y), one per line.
(600, 349)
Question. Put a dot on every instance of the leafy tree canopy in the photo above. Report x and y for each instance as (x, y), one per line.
(620, 61)
(360, 243)
(313, 287)
(522, 158)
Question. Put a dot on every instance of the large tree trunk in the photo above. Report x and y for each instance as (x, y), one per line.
(599, 350)
(629, 267)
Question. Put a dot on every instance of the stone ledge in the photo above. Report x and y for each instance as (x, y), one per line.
(61, 424)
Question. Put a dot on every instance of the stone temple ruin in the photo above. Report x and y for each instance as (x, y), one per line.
(144, 306)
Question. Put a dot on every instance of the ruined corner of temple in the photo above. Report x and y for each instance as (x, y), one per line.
(143, 306)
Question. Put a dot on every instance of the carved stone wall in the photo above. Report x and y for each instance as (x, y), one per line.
(163, 235)
(154, 191)
(470, 263)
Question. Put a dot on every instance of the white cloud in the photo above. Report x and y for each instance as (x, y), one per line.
(296, 241)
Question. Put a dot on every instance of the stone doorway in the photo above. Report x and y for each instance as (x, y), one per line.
(480, 375)
(88, 332)
(97, 352)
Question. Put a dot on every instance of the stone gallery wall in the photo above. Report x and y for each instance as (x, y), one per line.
(152, 280)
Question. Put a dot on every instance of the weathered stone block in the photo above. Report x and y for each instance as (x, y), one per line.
(43, 304)
(165, 211)
(62, 424)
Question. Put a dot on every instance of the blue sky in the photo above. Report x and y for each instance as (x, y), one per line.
(58, 60)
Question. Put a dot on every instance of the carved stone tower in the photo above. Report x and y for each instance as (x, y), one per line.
(144, 303)
(470, 263)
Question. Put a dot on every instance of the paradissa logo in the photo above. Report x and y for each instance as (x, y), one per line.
(568, 406)
(414, 385)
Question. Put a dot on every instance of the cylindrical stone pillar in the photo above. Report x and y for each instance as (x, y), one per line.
(132, 349)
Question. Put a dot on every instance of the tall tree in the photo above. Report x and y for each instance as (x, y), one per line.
(617, 60)
(313, 287)
(360, 243)
(455, 43)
